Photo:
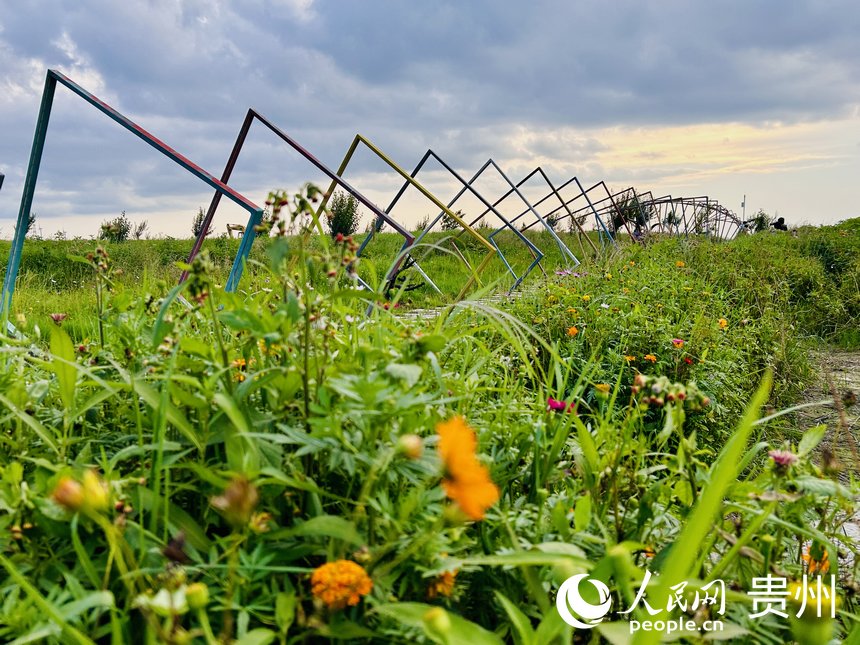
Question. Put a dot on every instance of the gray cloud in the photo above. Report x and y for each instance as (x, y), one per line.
(462, 78)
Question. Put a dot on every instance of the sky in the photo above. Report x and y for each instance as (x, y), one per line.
(728, 98)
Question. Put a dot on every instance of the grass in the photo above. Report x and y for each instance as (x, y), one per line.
(189, 476)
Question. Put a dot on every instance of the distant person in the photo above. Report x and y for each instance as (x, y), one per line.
(779, 224)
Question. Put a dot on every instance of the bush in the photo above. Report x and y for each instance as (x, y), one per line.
(197, 224)
(116, 230)
(344, 215)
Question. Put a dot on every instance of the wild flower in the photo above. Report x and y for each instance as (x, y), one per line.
(555, 405)
(650, 357)
(340, 583)
(629, 358)
(466, 481)
(572, 331)
(723, 323)
(603, 388)
(603, 305)
(818, 563)
(677, 343)
(586, 298)
(680, 264)
(237, 502)
(688, 360)
(442, 585)
(782, 460)
(59, 318)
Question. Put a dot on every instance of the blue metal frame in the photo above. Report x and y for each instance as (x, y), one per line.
(53, 77)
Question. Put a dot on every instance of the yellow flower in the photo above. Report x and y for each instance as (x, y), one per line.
(340, 583)
(572, 331)
(723, 323)
(629, 358)
(586, 297)
(571, 310)
(680, 264)
(650, 357)
(466, 481)
(442, 585)
(602, 387)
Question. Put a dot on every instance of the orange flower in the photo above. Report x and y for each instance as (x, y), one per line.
(572, 331)
(677, 343)
(442, 585)
(650, 357)
(629, 359)
(466, 480)
(723, 323)
(814, 565)
(680, 264)
(340, 583)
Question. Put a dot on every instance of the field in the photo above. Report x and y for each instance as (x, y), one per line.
(305, 461)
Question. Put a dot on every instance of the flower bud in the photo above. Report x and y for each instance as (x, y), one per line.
(410, 446)
(69, 494)
(197, 595)
(95, 491)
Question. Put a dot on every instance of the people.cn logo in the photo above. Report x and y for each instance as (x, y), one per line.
(572, 607)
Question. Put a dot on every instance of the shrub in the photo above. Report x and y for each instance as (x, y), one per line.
(344, 216)
(116, 229)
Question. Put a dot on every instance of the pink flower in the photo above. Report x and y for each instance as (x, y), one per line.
(677, 343)
(782, 458)
(559, 406)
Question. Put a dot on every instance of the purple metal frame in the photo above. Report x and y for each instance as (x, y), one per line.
(252, 115)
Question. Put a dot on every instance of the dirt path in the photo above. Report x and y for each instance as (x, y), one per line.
(839, 373)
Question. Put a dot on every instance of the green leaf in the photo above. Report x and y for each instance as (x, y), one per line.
(259, 636)
(522, 626)
(410, 374)
(582, 512)
(63, 365)
(811, 438)
(439, 625)
(285, 610)
(323, 526)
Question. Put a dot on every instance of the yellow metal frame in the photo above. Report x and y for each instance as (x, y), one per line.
(491, 250)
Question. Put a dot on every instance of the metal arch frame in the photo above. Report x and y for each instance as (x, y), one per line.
(553, 191)
(591, 205)
(491, 249)
(537, 254)
(53, 77)
(515, 189)
(381, 216)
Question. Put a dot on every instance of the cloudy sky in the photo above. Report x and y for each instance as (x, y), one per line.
(685, 98)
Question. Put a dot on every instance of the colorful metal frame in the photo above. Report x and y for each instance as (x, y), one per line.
(566, 253)
(598, 221)
(381, 216)
(54, 77)
(491, 250)
(537, 254)
(582, 212)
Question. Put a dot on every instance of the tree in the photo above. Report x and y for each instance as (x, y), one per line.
(197, 224)
(116, 229)
(343, 216)
(449, 223)
(31, 222)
